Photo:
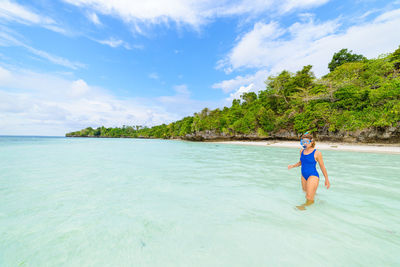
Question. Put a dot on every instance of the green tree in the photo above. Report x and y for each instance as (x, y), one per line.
(249, 97)
(266, 119)
(395, 55)
(344, 56)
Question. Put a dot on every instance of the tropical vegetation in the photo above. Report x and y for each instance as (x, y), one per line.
(358, 93)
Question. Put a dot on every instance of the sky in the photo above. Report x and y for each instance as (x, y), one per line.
(69, 64)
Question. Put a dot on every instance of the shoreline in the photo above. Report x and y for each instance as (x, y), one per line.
(385, 148)
(335, 146)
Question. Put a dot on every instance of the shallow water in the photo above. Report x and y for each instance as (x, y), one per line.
(133, 202)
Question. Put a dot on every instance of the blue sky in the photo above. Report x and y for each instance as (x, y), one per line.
(66, 65)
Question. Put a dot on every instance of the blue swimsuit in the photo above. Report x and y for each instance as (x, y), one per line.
(308, 164)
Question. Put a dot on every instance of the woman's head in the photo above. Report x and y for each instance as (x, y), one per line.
(307, 140)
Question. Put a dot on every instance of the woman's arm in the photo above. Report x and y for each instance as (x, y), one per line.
(295, 165)
(323, 169)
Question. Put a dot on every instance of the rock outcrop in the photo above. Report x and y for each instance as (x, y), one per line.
(390, 135)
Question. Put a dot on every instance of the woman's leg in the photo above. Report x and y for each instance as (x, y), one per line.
(311, 189)
(303, 184)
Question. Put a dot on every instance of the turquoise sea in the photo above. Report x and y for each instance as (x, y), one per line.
(136, 202)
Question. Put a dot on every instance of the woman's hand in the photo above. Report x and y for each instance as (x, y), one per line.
(290, 166)
(327, 184)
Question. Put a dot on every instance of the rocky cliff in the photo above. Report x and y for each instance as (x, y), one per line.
(390, 135)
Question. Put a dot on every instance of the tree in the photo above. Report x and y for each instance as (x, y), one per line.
(266, 119)
(395, 55)
(249, 97)
(204, 113)
(344, 56)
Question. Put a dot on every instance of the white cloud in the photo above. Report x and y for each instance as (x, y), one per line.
(266, 46)
(5, 75)
(273, 48)
(37, 103)
(113, 42)
(34, 103)
(249, 51)
(55, 59)
(256, 79)
(10, 38)
(182, 89)
(11, 11)
(243, 84)
(388, 16)
(94, 18)
(182, 103)
(240, 91)
(187, 12)
(290, 5)
(79, 88)
(182, 96)
(154, 76)
(15, 12)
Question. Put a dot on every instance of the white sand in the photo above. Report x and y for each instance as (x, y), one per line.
(374, 148)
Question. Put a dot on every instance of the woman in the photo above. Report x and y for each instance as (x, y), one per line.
(309, 157)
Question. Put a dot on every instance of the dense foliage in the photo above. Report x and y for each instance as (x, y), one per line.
(344, 56)
(354, 95)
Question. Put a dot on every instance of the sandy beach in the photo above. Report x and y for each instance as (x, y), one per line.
(372, 148)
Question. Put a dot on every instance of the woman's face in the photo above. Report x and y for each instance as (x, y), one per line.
(305, 142)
